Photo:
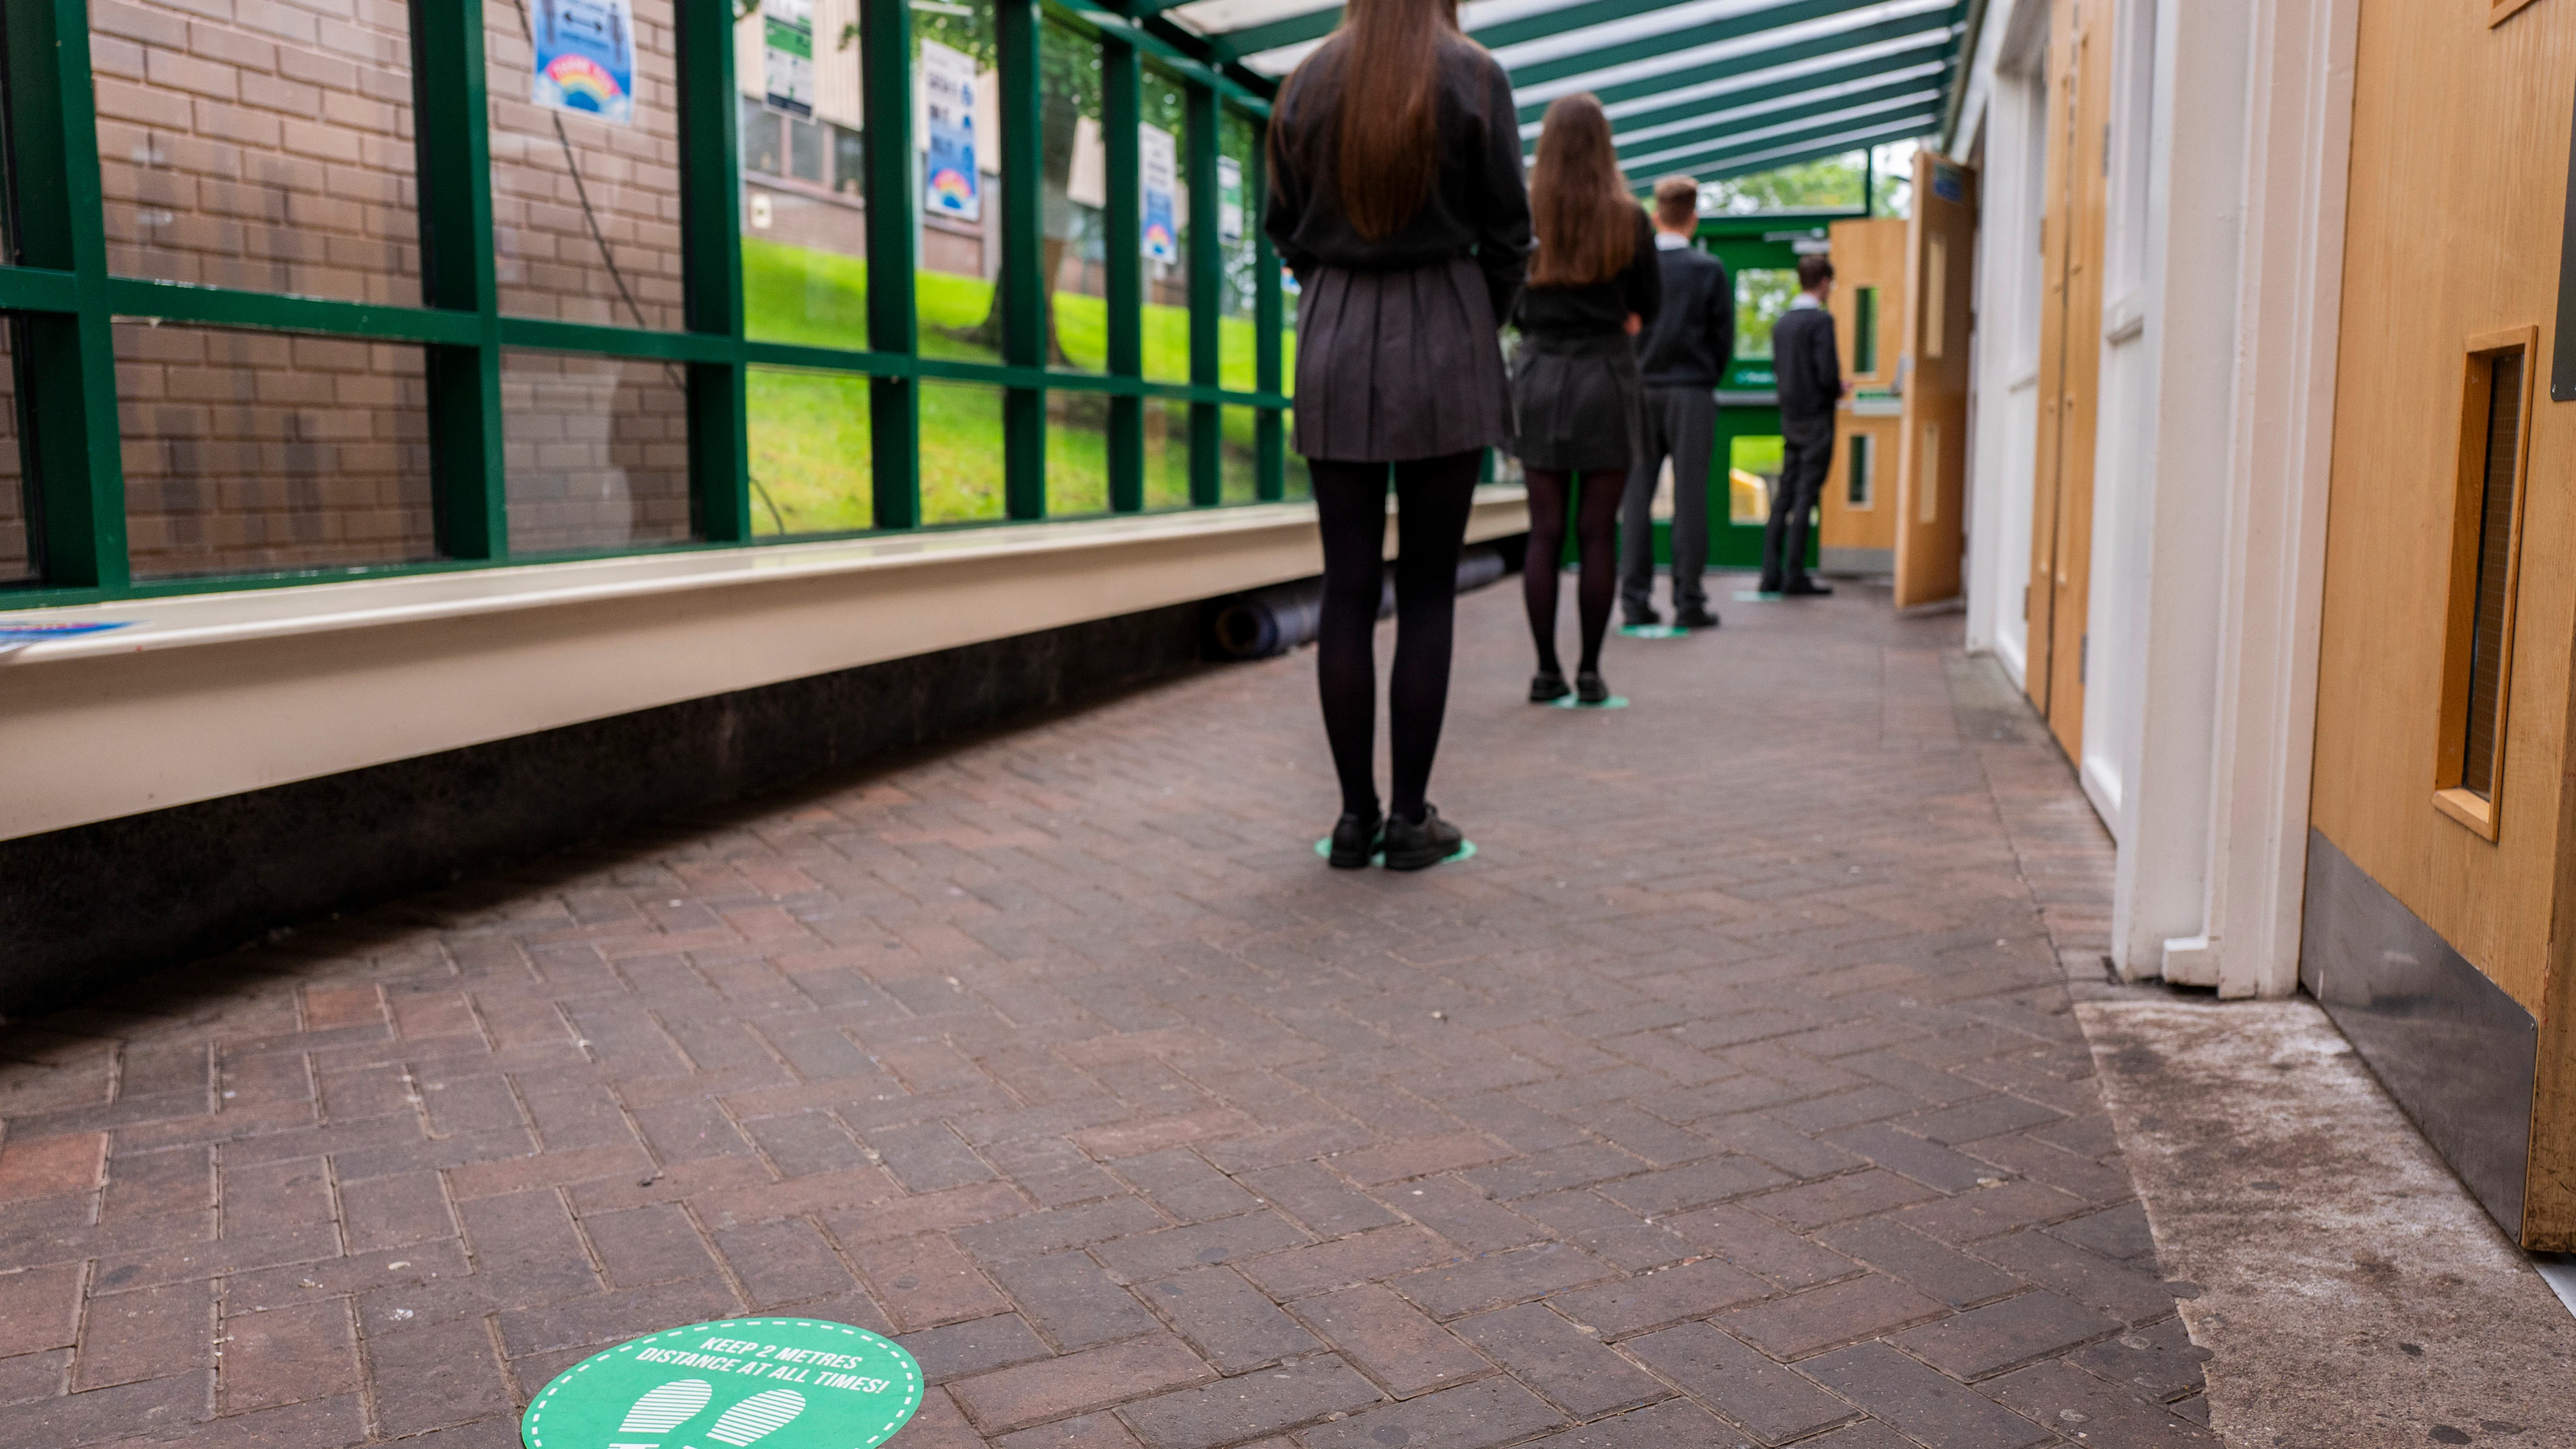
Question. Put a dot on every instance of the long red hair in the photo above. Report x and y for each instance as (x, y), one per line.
(1585, 219)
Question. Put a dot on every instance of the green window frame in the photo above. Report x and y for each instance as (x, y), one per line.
(62, 300)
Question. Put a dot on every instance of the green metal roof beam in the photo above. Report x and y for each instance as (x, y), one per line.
(1928, 27)
(1929, 87)
(1688, 155)
(1316, 24)
(1714, 32)
(1836, 137)
(1795, 158)
(1734, 101)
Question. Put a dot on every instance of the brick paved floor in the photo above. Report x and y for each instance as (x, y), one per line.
(1730, 1096)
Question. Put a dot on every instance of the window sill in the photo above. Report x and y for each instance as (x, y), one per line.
(207, 695)
(2470, 809)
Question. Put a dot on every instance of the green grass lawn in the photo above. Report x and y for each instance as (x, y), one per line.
(810, 436)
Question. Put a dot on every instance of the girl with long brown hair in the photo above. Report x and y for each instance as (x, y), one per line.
(1593, 286)
(1396, 198)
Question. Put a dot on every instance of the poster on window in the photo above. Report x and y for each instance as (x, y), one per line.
(787, 54)
(1229, 200)
(1158, 157)
(586, 58)
(951, 186)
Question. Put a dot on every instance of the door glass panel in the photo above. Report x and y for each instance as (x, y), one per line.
(1752, 471)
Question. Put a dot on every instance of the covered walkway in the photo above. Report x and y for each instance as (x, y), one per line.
(1734, 1093)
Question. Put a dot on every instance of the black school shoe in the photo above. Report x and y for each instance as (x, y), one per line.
(1807, 589)
(1548, 686)
(1355, 839)
(1413, 846)
(1590, 689)
(1695, 617)
(1644, 619)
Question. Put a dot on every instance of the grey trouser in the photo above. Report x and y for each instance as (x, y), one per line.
(1678, 423)
(1807, 454)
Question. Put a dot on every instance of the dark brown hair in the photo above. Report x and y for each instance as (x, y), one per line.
(1385, 139)
(1814, 270)
(1677, 201)
(1586, 220)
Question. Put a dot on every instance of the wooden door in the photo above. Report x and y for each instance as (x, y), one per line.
(1856, 525)
(1932, 490)
(2070, 362)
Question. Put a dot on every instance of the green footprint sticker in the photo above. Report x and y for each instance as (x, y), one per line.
(743, 1383)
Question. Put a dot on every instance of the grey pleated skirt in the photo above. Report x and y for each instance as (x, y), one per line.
(1579, 402)
(1399, 365)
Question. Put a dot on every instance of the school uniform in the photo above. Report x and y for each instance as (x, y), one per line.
(1683, 359)
(1810, 372)
(1398, 336)
(1575, 385)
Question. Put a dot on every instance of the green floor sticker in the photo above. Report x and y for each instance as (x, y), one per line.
(1616, 701)
(775, 1383)
(1653, 631)
(1465, 850)
(1757, 596)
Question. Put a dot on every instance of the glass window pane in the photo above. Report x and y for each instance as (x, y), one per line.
(1762, 297)
(17, 550)
(247, 452)
(1072, 194)
(1287, 330)
(1296, 480)
(812, 468)
(1238, 472)
(597, 452)
(585, 160)
(266, 148)
(960, 144)
(1167, 453)
(1236, 219)
(961, 452)
(804, 172)
(1163, 148)
(1077, 453)
(1753, 467)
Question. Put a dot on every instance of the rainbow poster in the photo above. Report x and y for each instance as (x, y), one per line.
(586, 58)
(951, 186)
(1158, 162)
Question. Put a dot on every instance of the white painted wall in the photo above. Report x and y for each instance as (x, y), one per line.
(2222, 283)
(2008, 108)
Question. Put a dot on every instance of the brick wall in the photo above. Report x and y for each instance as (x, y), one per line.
(550, 261)
(252, 451)
(597, 452)
(261, 144)
(15, 561)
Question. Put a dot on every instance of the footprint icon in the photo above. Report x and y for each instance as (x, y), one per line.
(757, 1417)
(666, 1408)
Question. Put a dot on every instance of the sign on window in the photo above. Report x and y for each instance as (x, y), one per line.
(586, 58)
(1158, 155)
(951, 186)
(787, 54)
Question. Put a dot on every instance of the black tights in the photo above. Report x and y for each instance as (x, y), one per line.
(1595, 522)
(1350, 500)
